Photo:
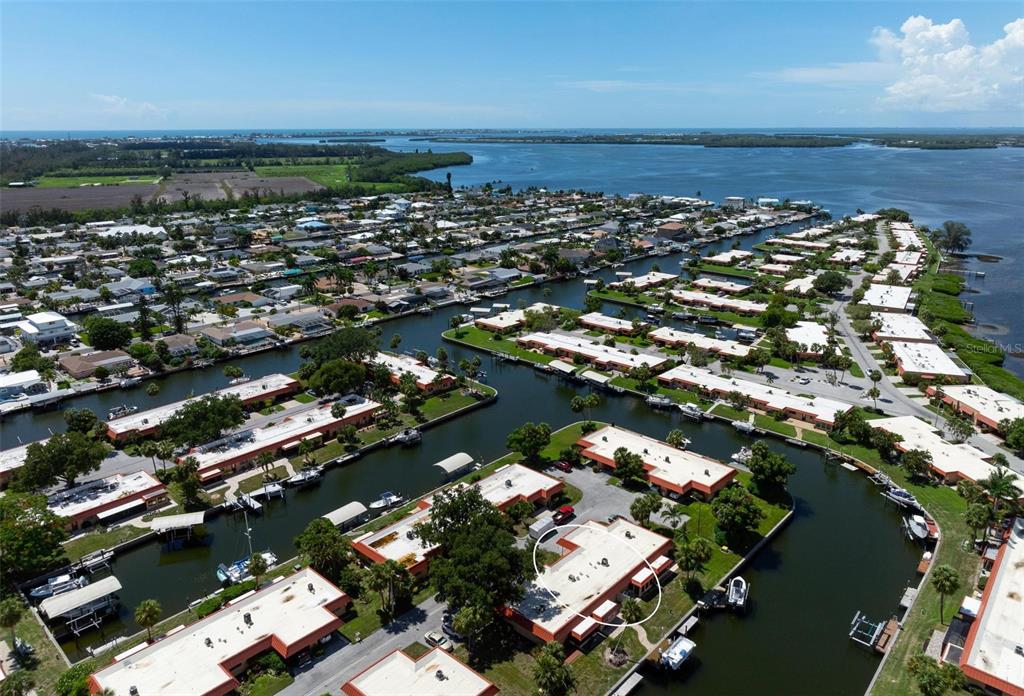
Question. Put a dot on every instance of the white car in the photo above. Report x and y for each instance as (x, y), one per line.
(438, 640)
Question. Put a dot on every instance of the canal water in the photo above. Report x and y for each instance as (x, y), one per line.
(842, 552)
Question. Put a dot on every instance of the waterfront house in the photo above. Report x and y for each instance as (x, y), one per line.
(427, 379)
(983, 405)
(82, 365)
(106, 500)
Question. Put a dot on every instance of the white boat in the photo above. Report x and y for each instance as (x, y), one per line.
(743, 426)
(916, 527)
(269, 490)
(692, 410)
(58, 585)
(129, 382)
(409, 436)
(902, 497)
(677, 652)
(743, 456)
(121, 411)
(655, 401)
(306, 477)
(738, 591)
(239, 570)
(386, 500)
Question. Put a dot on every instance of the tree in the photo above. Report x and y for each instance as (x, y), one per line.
(30, 536)
(471, 620)
(1013, 432)
(150, 449)
(175, 299)
(692, 555)
(396, 341)
(677, 438)
(831, 282)
(977, 516)
(18, 683)
(953, 236)
(351, 343)
(933, 679)
(769, 470)
(147, 615)
(338, 376)
(631, 611)
(107, 334)
(152, 389)
(143, 322)
(63, 457)
(190, 483)
(529, 439)
(736, 512)
(203, 420)
(479, 563)
(10, 614)
(960, 427)
(80, 420)
(917, 462)
(945, 581)
(1001, 486)
(629, 466)
(550, 674)
(393, 583)
(233, 371)
(873, 394)
(643, 507)
(324, 548)
(257, 567)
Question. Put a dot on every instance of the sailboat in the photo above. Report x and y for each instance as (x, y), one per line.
(239, 570)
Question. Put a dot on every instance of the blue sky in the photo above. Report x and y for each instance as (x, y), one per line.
(148, 65)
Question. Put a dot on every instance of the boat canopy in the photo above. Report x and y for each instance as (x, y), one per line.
(171, 523)
(596, 377)
(345, 514)
(562, 366)
(120, 509)
(61, 604)
(455, 463)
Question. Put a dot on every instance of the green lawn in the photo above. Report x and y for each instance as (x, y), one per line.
(255, 482)
(76, 181)
(485, 340)
(415, 649)
(329, 175)
(363, 617)
(680, 396)
(49, 662)
(304, 398)
(769, 423)
(729, 412)
(94, 541)
(267, 684)
(728, 270)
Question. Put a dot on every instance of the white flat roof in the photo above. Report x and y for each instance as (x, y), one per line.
(716, 345)
(800, 243)
(910, 258)
(900, 326)
(606, 322)
(92, 495)
(598, 352)
(184, 663)
(960, 461)
(399, 364)
(398, 541)
(513, 482)
(995, 636)
(604, 556)
(989, 403)
(646, 280)
(714, 284)
(19, 379)
(925, 358)
(59, 605)
(800, 285)
(171, 522)
(716, 302)
(775, 268)
(823, 409)
(680, 467)
(730, 256)
(512, 318)
(155, 416)
(895, 297)
(435, 673)
(807, 334)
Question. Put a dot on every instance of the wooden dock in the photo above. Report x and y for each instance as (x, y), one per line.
(892, 627)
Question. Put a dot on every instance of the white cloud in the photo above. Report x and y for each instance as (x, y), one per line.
(123, 106)
(941, 70)
(931, 67)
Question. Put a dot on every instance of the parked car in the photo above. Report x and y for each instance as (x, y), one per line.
(438, 640)
(448, 627)
(563, 466)
(564, 514)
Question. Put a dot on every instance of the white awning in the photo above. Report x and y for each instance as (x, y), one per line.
(642, 577)
(120, 509)
(562, 366)
(455, 463)
(605, 611)
(596, 377)
(172, 522)
(345, 514)
(584, 628)
(53, 607)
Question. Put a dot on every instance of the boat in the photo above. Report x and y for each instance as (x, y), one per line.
(386, 500)
(239, 570)
(901, 497)
(707, 319)
(738, 591)
(424, 310)
(744, 426)
(677, 652)
(121, 411)
(240, 380)
(307, 477)
(57, 585)
(692, 411)
(656, 401)
(743, 456)
(128, 382)
(409, 436)
(916, 527)
(269, 490)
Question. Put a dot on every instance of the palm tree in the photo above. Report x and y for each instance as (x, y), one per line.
(147, 614)
(945, 581)
(10, 615)
(676, 517)
(150, 449)
(1000, 485)
(165, 451)
(631, 610)
(977, 517)
(257, 567)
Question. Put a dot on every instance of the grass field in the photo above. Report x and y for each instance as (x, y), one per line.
(330, 175)
(75, 181)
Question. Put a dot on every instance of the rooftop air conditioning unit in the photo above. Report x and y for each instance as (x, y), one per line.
(247, 617)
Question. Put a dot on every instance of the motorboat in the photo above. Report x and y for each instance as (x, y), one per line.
(58, 585)
(693, 411)
(409, 436)
(121, 411)
(677, 652)
(386, 500)
(738, 592)
(916, 527)
(901, 497)
(657, 401)
(240, 380)
(743, 426)
(128, 382)
(307, 477)
(743, 456)
(239, 570)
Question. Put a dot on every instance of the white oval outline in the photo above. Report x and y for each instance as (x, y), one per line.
(604, 529)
